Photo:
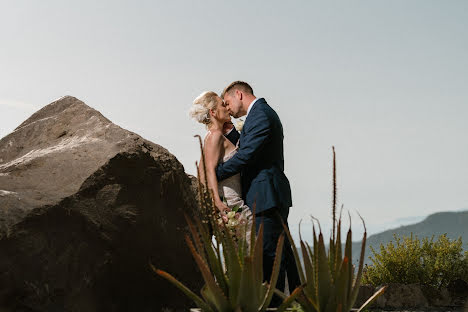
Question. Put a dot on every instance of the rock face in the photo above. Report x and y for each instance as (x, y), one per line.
(85, 206)
(415, 297)
(398, 296)
(458, 290)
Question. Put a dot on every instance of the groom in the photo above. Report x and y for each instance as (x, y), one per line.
(260, 161)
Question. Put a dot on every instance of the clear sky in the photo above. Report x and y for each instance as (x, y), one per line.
(385, 82)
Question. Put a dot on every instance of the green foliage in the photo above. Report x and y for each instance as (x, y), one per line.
(233, 281)
(411, 260)
(452, 223)
(465, 267)
(329, 280)
(295, 307)
(231, 268)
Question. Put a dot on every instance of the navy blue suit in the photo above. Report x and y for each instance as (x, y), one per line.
(260, 160)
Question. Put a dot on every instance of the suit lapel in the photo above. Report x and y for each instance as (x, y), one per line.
(250, 118)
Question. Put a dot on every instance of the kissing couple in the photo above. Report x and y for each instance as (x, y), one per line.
(247, 170)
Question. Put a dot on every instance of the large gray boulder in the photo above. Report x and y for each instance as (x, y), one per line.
(85, 206)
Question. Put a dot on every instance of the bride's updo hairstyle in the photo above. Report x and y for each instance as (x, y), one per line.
(200, 110)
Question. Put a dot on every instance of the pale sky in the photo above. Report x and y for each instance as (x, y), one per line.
(385, 82)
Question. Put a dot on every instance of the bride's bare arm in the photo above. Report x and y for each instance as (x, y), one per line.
(214, 148)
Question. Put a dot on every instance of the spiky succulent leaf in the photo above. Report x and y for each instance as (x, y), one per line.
(274, 273)
(324, 277)
(332, 302)
(372, 298)
(331, 257)
(309, 270)
(209, 298)
(220, 299)
(196, 237)
(289, 300)
(342, 288)
(198, 301)
(307, 303)
(252, 229)
(337, 246)
(311, 280)
(247, 300)
(348, 255)
(212, 258)
(300, 271)
(357, 281)
(257, 261)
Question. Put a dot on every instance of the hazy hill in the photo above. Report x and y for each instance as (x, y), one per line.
(454, 224)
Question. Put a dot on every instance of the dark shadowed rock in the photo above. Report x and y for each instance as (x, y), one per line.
(437, 297)
(459, 292)
(365, 292)
(398, 296)
(416, 297)
(85, 206)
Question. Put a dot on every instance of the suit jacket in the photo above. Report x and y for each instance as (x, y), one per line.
(233, 136)
(260, 160)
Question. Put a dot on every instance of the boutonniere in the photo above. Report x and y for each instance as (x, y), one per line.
(239, 125)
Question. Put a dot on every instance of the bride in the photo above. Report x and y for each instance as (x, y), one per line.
(209, 109)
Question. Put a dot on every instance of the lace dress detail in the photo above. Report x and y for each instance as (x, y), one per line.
(231, 188)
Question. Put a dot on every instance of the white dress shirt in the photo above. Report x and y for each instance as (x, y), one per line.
(250, 107)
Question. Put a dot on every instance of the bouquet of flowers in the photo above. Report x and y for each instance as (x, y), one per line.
(235, 221)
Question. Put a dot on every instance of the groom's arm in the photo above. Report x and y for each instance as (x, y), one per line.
(256, 135)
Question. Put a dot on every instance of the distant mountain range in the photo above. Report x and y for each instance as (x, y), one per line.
(454, 224)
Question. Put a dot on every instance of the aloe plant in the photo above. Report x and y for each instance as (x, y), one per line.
(233, 281)
(329, 280)
(232, 269)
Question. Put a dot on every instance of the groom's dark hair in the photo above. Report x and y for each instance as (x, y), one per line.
(238, 85)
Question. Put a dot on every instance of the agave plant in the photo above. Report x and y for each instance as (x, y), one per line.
(329, 278)
(232, 269)
(233, 274)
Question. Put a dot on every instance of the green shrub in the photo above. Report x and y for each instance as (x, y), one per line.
(409, 260)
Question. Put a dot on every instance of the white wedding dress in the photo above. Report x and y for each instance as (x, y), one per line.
(231, 190)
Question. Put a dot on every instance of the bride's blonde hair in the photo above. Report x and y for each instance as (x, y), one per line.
(200, 110)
